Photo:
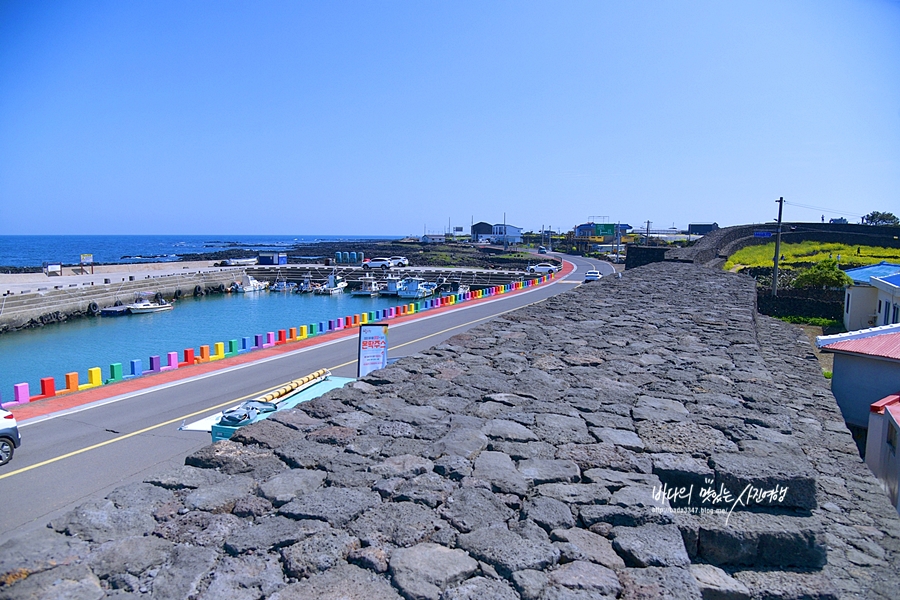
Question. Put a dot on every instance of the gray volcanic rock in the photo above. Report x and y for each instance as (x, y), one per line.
(335, 505)
(284, 487)
(559, 429)
(468, 509)
(481, 588)
(506, 551)
(778, 480)
(581, 544)
(182, 576)
(549, 513)
(103, 521)
(318, 552)
(651, 546)
(665, 583)
(499, 470)
(538, 471)
(575, 493)
(340, 583)
(580, 575)
(425, 570)
(271, 533)
(400, 524)
(234, 458)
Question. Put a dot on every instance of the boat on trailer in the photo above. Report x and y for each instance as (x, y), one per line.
(221, 426)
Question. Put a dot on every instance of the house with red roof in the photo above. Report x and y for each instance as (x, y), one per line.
(881, 445)
(866, 369)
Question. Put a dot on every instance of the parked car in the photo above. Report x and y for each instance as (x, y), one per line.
(376, 263)
(543, 268)
(9, 436)
(400, 261)
(592, 276)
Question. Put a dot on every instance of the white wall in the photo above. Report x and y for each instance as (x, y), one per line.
(881, 457)
(863, 300)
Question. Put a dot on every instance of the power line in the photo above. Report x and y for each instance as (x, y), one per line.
(825, 210)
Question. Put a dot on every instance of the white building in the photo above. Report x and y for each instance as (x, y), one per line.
(861, 299)
(888, 295)
(506, 233)
(881, 445)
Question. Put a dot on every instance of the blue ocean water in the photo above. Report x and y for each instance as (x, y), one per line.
(34, 250)
(54, 350)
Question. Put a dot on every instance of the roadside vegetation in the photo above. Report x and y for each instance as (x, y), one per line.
(805, 254)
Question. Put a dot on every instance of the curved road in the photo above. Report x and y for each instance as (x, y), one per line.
(87, 451)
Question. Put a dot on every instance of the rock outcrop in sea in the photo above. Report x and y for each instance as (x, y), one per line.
(642, 437)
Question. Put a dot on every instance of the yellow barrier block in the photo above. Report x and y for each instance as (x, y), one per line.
(304, 332)
(219, 354)
(364, 318)
(95, 379)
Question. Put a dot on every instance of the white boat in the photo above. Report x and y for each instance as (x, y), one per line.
(282, 284)
(144, 305)
(392, 285)
(416, 287)
(248, 283)
(334, 285)
(306, 286)
(369, 287)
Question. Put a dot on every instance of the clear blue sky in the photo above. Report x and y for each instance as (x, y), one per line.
(398, 117)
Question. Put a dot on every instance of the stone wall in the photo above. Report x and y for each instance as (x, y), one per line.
(642, 437)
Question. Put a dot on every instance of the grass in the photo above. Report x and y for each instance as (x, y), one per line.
(802, 255)
(815, 321)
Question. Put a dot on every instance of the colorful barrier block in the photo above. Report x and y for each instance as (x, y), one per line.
(219, 351)
(282, 337)
(95, 379)
(234, 348)
(292, 334)
(304, 332)
(48, 389)
(21, 393)
(259, 340)
(246, 344)
(188, 357)
(204, 354)
(171, 362)
(270, 339)
(155, 364)
(115, 373)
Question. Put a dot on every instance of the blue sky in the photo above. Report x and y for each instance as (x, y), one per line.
(398, 117)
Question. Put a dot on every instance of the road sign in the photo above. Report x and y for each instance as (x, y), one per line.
(762, 234)
(373, 348)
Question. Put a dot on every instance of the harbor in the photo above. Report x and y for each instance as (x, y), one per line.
(45, 357)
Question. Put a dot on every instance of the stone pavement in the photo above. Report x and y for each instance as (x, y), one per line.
(642, 437)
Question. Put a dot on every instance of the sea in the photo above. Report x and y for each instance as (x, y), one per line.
(29, 355)
(35, 250)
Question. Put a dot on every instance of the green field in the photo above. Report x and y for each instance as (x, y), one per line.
(798, 256)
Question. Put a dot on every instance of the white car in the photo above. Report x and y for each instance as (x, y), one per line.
(592, 276)
(400, 261)
(376, 263)
(9, 436)
(543, 268)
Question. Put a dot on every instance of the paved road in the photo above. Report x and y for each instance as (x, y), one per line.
(88, 451)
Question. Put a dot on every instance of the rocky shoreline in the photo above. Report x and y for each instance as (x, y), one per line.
(550, 453)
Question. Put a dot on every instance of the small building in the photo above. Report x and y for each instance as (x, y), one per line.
(866, 369)
(503, 233)
(434, 238)
(888, 308)
(881, 445)
(702, 228)
(481, 230)
(864, 300)
(272, 258)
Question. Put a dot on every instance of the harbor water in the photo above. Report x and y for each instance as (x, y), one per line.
(28, 355)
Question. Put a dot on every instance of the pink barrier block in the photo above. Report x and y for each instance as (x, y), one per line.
(173, 362)
(21, 393)
(270, 340)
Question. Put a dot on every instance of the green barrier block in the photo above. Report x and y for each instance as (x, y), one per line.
(115, 373)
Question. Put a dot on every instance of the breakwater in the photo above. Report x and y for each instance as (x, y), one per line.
(649, 436)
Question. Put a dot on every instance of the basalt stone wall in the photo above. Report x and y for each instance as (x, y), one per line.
(642, 437)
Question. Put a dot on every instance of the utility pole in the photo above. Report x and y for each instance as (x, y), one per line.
(647, 237)
(780, 202)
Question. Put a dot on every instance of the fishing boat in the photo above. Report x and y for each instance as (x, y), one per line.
(368, 287)
(451, 288)
(144, 305)
(248, 283)
(416, 287)
(306, 286)
(391, 285)
(334, 285)
(282, 284)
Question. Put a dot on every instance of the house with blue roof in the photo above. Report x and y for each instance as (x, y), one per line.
(865, 302)
(888, 309)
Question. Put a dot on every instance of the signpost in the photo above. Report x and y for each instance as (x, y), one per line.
(373, 348)
(87, 259)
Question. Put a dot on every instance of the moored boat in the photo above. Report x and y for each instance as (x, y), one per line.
(145, 305)
(416, 287)
(368, 287)
(248, 283)
(334, 285)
